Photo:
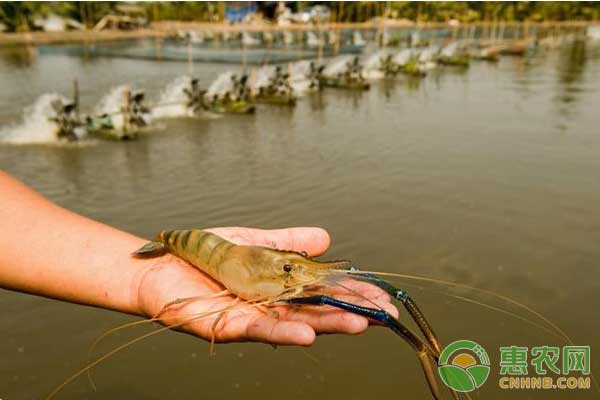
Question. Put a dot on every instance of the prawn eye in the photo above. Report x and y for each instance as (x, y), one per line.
(287, 267)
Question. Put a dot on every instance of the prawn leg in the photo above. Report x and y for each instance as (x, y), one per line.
(408, 303)
(424, 352)
(185, 300)
(213, 328)
(414, 311)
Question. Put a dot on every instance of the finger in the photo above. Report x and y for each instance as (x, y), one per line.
(277, 331)
(326, 319)
(313, 241)
(359, 288)
(258, 327)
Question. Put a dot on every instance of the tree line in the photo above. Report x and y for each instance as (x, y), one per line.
(19, 16)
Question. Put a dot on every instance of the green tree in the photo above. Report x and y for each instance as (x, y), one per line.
(19, 16)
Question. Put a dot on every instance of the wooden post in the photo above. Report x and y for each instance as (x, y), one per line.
(379, 34)
(190, 60)
(243, 56)
(76, 97)
(125, 108)
(321, 42)
(501, 33)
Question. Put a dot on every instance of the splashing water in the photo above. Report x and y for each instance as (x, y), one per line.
(172, 101)
(450, 50)
(403, 57)
(221, 85)
(300, 78)
(112, 105)
(36, 126)
(428, 54)
(337, 66)
(374, 63)
(261, 78)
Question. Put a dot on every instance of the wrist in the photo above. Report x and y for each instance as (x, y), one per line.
(149, 283)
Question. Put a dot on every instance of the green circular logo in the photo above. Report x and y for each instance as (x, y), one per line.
(464, 366)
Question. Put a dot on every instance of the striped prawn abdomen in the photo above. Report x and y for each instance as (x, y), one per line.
(202, 249)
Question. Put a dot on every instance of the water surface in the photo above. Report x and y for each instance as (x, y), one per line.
(488, 177)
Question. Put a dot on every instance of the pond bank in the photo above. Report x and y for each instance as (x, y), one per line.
(167, 28)
(25, 38)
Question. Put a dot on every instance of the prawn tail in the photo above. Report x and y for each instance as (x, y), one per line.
(151, 249)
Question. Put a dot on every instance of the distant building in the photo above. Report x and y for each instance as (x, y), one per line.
(128, 16)
(55, 23)
(52, 23)
(236, 11)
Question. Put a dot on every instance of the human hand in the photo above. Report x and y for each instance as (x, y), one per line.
(171, 278)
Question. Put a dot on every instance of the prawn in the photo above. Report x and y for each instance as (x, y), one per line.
(273, 276)
(263, 276)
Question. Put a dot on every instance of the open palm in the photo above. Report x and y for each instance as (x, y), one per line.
(172, 278)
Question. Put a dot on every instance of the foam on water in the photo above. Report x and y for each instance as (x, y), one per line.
(36, 126)
(172, 101)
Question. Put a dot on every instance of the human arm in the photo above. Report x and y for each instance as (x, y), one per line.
(50, 251)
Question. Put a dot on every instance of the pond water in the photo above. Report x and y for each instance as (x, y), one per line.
(487, 177)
